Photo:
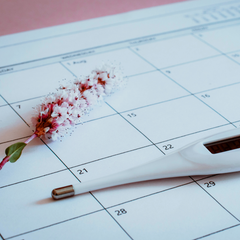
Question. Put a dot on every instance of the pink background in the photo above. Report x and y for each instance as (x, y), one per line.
(23, 15)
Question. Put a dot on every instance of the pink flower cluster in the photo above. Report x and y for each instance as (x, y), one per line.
(62, 110)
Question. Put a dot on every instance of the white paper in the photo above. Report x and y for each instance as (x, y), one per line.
(182, 62)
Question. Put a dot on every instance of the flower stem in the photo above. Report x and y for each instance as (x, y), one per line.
(6, 159)
(31, 138)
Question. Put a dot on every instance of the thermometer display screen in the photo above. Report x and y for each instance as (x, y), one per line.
(223, 145)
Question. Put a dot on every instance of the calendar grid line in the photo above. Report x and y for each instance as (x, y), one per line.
(210, 45)
(15, 111)
(106, 157)
(132, 109)
(90, 54)
(90, 193)
(105, 208)
(68, 69)
(138, 74)
(124, 23)
(164, 101)
(136, 129)
(96, 53)
(214, 110)
(121, 42)
(28, 99)
(230, 52)
(15, 139)
(216, 88)
(28, 68)
(215, 200)
(54, 224)
(161, 72)
(235, 125)
(95, 119)
(60, 160)
(192, 61)
(189, 134)
(151, 194)
(114, 155)
(44, 142)
(206, 177)
(3, 104)
(33, 178)
(173, 99)
(118, 48)
(157, 103)
(159, 192)
(119, 225)
(222, 230)
(203, 130)
(183, 88)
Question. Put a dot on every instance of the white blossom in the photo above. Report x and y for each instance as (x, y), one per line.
(60, 111)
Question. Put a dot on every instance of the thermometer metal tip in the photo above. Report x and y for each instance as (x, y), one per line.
(63, 192)
(212, 155)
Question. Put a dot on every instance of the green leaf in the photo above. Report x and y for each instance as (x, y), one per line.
(15, 151)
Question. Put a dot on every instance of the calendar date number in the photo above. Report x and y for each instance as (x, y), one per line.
(121, 212)
(210, 184)
(131, 115)
(168, 147)
(82, 171)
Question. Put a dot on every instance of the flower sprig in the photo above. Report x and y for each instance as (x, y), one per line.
(62, 110)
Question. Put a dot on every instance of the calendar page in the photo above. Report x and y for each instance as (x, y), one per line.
(182, 66)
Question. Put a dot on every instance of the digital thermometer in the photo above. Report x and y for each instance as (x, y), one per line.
(219, 153)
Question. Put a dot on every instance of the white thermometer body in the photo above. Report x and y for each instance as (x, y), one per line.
(212, 155)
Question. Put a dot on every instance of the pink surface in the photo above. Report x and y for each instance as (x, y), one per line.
(23, 15)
